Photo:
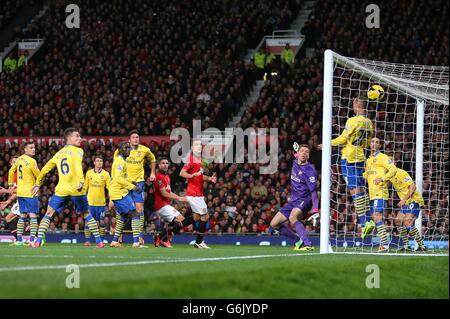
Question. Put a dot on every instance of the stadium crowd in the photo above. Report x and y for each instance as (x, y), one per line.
(9, 9)
(160, 67)
(154, 77)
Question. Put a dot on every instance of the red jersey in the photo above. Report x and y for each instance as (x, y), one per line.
(161, 181)
(195, 185)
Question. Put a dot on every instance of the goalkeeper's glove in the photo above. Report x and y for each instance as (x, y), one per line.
(296, 147)
(314, 217)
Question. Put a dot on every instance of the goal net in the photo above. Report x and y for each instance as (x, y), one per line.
(412, 120)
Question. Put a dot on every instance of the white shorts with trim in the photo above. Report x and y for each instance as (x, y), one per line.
(15, 209)
(197, 204)
(168, 213)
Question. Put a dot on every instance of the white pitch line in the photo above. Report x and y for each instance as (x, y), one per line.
(390, 254)
(81, 257)
(147, 262)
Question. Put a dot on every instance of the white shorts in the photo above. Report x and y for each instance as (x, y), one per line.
(15, 209)
(197, 204)
(168, 213)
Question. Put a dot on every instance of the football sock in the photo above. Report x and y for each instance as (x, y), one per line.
(92, 224)
(141, 223)
(381, 230)
(33, 228)
(362, 207)
(301, 231)
(87, 233)
(286, 231)
(120, 223)
(163, 234)
(43, 226)
(20, 227)
(135, 227)
(102, 228)
(414, 232)
(186, 222)
(201, 232)
(403, 235)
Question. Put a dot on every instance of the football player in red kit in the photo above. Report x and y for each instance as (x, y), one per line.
(193, 172)
(163, 197)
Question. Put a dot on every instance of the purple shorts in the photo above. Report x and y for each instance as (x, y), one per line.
(303, 204)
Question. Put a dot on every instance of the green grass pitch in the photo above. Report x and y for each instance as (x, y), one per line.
(221, 272)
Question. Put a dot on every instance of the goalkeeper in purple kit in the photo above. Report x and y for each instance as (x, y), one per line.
(303, 198)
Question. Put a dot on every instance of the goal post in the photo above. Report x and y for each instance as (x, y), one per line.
(413, 121)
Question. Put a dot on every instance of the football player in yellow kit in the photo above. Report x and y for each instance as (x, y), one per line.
(355, 138)
(27, 171)
(97, 180)
(380, 169)
(410, 203)
(68, 160)
(119, 192)
(135, 170)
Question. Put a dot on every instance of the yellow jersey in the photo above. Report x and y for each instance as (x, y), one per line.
(27, 172)
(95, 184)
(68, 161)
(355, 137)
(120, 184)
(135, 162)
(401, 182)
(379, 165)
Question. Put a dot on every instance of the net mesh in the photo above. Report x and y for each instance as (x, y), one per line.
(394, 119)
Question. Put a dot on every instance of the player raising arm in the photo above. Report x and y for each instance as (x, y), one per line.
(163, 196)
(135, 170)
(410, 203)
(68, 161)
(303, 197)
(97, 180)
(28, 171)
(355, 138)
(119, 193)
(379, 170)
(193, 172)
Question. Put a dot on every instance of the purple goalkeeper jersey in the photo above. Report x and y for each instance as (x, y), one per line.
(303, 183)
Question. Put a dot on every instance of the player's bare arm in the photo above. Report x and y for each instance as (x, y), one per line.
(172, 195)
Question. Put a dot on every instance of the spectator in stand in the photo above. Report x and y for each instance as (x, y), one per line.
(23, 61)
(287, 55)
(260, 62)
(10, 63)
(259, 191)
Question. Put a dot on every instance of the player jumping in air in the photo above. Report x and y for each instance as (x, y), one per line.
(68, 161)
(135, 166)
(193, 172)
(27, 172)
(97, 179)
(163, 196)
(303, 197)
(379, 170)
(356, 137)
(409, 204)
(120, 193)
